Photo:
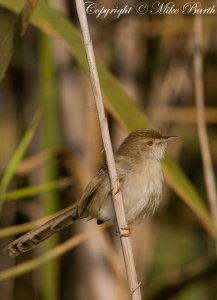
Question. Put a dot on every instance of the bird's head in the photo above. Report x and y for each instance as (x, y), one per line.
(146, 143)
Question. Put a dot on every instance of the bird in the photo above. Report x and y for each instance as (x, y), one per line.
(138, 165)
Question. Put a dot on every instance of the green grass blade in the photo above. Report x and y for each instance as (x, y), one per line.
(121, 106)
(18, 156)
(34, 190)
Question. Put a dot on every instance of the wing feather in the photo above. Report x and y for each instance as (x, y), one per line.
(90, 191)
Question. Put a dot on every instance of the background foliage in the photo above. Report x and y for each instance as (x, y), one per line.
(48, 155)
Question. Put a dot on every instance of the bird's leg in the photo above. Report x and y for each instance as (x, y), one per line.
(125, 232)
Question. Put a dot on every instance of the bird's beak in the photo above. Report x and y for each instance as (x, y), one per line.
(170, 138)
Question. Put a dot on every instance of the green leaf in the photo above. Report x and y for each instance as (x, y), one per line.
(17, 28)
(18, 156)
(33, 190)
(26, 14)
(119, 104)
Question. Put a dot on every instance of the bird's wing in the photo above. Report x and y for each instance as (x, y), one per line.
(97, 181)
(90, 190)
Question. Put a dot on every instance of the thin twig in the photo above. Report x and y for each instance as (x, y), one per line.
(201, 122)
(116, 193)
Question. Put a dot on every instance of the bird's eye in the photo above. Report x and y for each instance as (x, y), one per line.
(149, 143)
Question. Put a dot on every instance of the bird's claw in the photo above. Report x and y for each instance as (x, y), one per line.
(124, 232)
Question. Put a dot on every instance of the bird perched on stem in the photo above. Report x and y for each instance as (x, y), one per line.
(140, 175)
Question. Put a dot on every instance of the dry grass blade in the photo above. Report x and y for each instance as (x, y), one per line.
(48, 256)
(29, 225)
(29, 164)
(186, 114)
(18, 229)
(116, 195)
(201, 122)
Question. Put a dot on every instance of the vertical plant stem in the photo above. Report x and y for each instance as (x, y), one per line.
(201, 122)
(49, 278)
(116, 193)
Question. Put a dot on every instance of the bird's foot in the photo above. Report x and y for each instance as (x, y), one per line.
(124, 232)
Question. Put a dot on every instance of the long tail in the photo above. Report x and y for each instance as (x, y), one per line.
(31, 239)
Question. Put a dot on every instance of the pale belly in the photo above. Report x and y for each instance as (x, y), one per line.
(141, 192)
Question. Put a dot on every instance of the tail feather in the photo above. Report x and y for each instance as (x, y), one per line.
(31, 239)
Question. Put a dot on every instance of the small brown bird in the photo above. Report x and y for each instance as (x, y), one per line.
(140, 174)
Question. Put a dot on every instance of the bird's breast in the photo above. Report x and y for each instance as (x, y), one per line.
(142, 189)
